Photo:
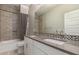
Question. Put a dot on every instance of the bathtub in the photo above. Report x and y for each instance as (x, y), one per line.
(10, 46)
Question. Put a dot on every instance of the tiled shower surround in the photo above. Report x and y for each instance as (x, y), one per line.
(8, 15)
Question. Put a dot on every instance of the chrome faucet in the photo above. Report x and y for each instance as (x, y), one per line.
(49, 35)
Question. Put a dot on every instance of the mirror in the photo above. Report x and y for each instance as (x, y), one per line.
(59, 19)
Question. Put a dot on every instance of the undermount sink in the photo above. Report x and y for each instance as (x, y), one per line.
(33, 36)
(54, 41)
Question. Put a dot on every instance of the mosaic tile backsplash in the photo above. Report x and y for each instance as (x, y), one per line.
(67, 37)
(61, 37)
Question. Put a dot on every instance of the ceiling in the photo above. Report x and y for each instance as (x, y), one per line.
(45, 8)
(26, 5)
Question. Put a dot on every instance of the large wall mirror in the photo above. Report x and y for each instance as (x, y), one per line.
(59, 19)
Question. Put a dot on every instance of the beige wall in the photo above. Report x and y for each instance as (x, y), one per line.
(54, 19)
(8, 20)
(33, 22)
(24, 9)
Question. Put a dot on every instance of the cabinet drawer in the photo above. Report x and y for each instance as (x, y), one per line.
(49, 50)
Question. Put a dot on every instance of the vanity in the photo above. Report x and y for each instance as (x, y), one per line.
(35, 45)
(37, 48)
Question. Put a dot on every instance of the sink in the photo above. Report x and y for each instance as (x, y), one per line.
(54, 41)
(33, 36)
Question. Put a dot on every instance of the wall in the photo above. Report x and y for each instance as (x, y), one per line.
(54, 19)
(9, 16)
(33, 21)
(72, 22)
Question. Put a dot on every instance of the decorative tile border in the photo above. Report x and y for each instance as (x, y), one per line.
(61, 37)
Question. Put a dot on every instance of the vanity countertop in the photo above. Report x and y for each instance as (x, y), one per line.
(67, 47)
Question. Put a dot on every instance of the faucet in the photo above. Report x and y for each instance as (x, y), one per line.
(49, 36)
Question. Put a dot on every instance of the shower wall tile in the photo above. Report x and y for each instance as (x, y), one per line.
(15, 25)
(6, 26)
(11, 7)
(7, 22)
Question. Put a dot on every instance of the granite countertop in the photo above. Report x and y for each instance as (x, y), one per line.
(73, 49)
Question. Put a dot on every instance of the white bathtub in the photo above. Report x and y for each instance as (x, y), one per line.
(10, 45)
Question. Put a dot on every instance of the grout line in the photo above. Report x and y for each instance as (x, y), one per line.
(10, 11)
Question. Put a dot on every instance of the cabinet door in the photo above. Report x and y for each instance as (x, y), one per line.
(27, 45)
(48, 50)
(35, 51)
(30, 49)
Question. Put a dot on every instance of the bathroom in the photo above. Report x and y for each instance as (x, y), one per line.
(39, 29)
